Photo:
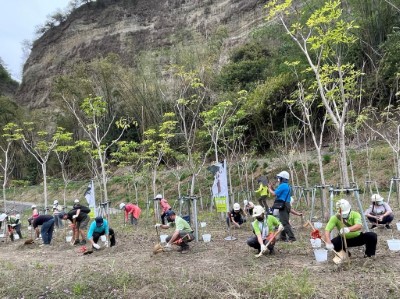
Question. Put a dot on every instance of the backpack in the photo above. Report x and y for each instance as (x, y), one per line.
(83, 209)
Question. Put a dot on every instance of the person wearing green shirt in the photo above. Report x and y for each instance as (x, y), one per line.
(182, 235)
(263, 228)
(349, 225)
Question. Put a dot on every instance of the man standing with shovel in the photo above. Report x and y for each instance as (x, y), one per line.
(349, 225)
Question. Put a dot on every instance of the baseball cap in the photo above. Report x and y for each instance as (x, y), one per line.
(99, 221)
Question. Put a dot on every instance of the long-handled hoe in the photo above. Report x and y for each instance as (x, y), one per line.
(269, 242)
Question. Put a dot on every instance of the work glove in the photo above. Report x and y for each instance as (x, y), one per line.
(97, 246)
(73, 217)
(344, 230)
(280, 227)
(263, 248)
(329, 246)
(168, 247)
(157, 225)
(106, 244)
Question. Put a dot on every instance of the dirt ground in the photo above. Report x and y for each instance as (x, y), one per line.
(218, 269)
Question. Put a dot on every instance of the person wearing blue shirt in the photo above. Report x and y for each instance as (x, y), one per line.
(98, 228)
(282, 193)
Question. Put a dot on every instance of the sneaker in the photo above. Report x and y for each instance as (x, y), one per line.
(373, 226)
(83, 242)
(76, 242)
(272, 251)
(388, 226)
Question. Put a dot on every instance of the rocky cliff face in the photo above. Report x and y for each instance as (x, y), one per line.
(126, 27)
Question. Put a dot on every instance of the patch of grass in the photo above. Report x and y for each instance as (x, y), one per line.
(79, 288)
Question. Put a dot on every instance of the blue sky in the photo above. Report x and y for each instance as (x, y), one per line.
(18, 19)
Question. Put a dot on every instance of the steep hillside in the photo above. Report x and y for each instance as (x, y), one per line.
(126, 28)
(8, 86)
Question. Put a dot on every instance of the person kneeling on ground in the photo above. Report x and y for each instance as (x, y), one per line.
(98, 228)
(47, 223)
(14, 225)
(349, 224)
(379, 212)
(183, 232)
(248, 207)
(236, 216)
(263, 228)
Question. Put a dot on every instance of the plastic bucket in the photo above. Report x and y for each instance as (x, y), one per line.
(203, 224)
(68, 238)
(315, 243)
(16, 237)
(163, 238)
(398, 225)
(321, 255)
(394, 245)
(207, 237)
(103, 238)
(317, 225)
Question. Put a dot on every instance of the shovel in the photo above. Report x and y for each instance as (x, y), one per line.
(339, 256)
(273, 237)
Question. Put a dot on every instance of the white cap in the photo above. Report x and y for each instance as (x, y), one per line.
(376, 198)
(158, 196)
(245, 202)
(3, 216)
(343, 207)
(55, 202)
(258, 210)
(76, 200)
(18, 216)
(33, 206)
(121, 205)
(236, 206)
(283, 174)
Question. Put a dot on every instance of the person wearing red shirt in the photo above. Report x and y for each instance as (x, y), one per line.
(133, 210)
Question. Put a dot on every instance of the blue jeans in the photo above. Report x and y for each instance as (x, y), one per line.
(47, 231)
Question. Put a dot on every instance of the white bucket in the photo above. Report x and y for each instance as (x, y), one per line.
(203, 224)
(317, 225)
(321, 255)
(163, 238)
(207, 237)
(103, 238)
(68, 238)
(16, 237)
(29, 227)
(398, 225)
(315, 243)
(394, 245)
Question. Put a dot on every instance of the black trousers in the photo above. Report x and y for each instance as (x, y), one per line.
(368, 239)
(96, 236)
(284, 219)
(253, 242)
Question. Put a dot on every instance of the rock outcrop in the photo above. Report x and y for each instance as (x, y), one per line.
(127, 27)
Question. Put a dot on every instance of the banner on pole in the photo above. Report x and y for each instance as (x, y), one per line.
(220, 187)
(90, 198)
